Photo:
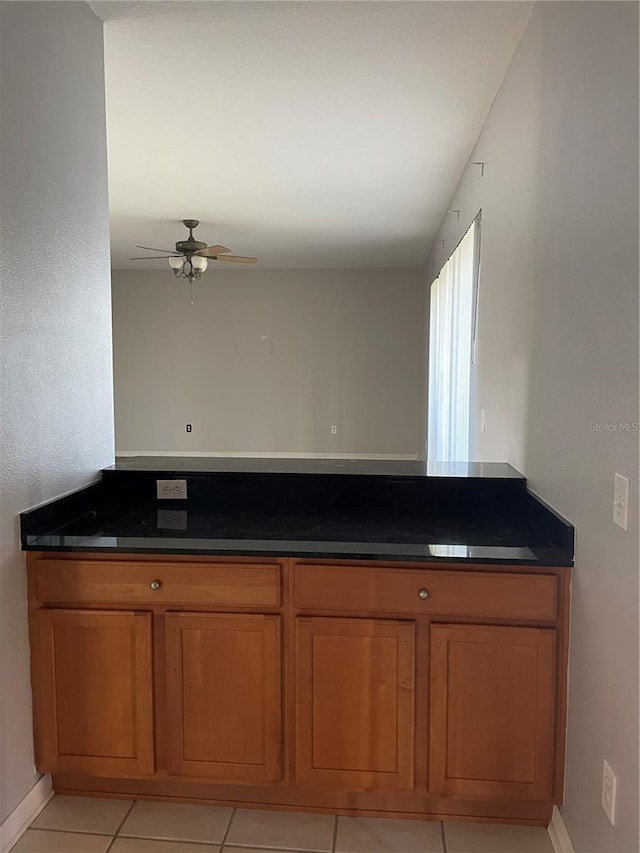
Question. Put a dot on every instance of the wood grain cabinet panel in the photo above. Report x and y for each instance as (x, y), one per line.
(93, 683)
(355, 703)
(448, 593)
(224, 696)
(288, 682)
(158, 583)
(492, 712)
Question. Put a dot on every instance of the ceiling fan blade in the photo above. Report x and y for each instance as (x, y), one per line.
(149, 249)
(153, 258)
(210, 251)
(236, 259)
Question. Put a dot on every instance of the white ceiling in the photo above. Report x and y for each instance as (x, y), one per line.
(309, 134)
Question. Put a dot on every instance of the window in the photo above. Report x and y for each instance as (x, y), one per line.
(451, 346)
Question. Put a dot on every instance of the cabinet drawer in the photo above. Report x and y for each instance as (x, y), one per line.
(428, 593)
(165, 583)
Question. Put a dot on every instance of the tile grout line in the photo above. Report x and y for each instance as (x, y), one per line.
(335, 833)
(120, 825)
(226, 832)
(167, 840)
(71, 831)
(233, 848)
(124, 819)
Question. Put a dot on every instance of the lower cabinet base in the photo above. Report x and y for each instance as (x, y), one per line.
(365, 804)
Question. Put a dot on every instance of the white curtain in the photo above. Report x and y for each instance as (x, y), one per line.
(450, 355)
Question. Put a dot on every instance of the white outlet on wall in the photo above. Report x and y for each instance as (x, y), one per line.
(334, 429)
(171, 490)
(609, 785)
(621, 501)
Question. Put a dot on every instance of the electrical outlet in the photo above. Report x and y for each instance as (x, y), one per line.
(609, 785)
(621, 501)
(334, 429)
(171, 490)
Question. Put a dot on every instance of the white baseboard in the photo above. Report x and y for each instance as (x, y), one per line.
(224, 454)
(560, 839)
(21, 817)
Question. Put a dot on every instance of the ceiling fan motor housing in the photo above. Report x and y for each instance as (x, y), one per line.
(189, 247)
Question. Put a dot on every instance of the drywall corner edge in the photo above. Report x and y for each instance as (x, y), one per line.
(16, 824)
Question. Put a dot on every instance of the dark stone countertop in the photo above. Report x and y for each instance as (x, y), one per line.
(313, 508)
(174, 466)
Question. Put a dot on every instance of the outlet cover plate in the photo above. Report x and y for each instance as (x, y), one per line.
(609, 785)
(171, 490)
(621, 501)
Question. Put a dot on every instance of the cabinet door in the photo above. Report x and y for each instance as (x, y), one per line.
(492, 712)
(93, 692)
(223, 696)
(355, 703)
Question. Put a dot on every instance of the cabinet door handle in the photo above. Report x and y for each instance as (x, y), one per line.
(424, 594)
(155, 585)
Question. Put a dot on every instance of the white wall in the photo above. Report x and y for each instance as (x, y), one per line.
(559, 352)
(507, 196)
(266, 361)
(56, 424)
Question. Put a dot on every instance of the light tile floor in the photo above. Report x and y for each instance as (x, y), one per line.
(88, 825)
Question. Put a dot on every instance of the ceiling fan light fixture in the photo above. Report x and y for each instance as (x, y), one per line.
(190, 258)
(190, 267)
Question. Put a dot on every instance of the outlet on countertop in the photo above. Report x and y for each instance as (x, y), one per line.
(171, 490)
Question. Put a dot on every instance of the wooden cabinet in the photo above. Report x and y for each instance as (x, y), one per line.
(224, 705)
(492, 712)
(408, 689)
(437, 592)
(354, 703)
(93, 689)
(154, 582)
(213, 679)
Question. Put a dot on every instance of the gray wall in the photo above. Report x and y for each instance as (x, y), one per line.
(266, 361)
(559, 352)
(56, 423)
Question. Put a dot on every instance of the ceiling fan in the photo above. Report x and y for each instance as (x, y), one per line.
(190, 257)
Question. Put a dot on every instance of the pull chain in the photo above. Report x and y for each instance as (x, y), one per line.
(191, 285)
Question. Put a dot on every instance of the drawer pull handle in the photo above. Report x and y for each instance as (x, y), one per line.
(155, 585)
(424, 594)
